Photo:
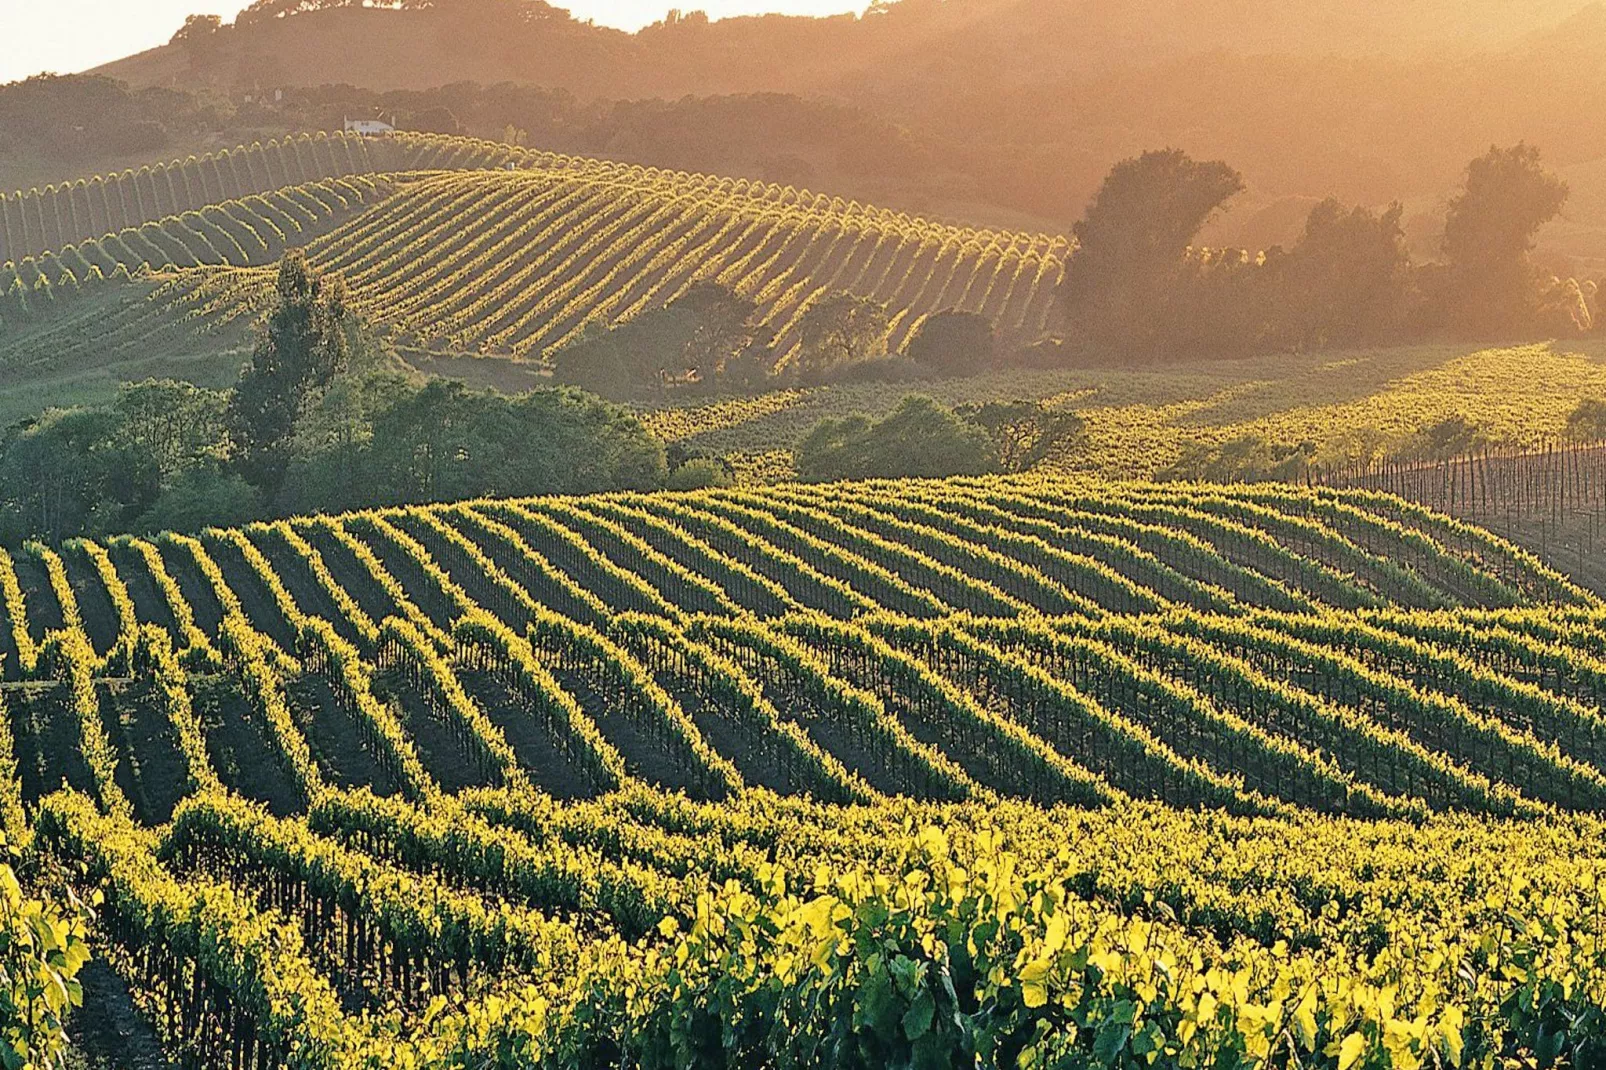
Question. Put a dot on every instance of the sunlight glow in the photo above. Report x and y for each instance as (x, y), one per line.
(74, 35)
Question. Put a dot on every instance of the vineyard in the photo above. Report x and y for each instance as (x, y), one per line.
(452, 245)
(1352, 406)
(474, 247)
(1040, 771)
(40, 222)
(1030, 772)
(1551, 498)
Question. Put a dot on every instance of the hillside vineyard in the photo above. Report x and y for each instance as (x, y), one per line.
(477, 247)
(38, 222)
(557, 780)
(663, 780)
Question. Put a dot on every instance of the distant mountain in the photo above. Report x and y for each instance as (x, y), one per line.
(1012, 108)
(307, 42)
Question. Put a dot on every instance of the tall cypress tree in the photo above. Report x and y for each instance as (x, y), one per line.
(303, 347)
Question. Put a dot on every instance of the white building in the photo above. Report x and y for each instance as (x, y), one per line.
(368, 127)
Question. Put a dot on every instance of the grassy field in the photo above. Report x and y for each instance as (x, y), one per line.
(1139, 420)
(63, 364)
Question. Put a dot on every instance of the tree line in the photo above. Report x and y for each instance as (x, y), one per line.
(67, 121)
(1138, 285)
(712, 339)
(320, 420)
(921, 438)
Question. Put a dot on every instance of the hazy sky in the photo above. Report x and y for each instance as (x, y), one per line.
(72, 35)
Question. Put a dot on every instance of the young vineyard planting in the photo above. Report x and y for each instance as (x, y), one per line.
(524, 262)
(474, 246)
(1000, 772)
(44, 221)
(471, 246)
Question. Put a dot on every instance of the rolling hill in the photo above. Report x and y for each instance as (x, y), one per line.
(1046, 770)
(429, 783)
(460, 40)
(1020, 107)
(456, 257)
(473, 247)
(856, 643)
(1347, 407)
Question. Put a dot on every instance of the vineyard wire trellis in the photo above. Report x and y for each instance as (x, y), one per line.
(1556, 485)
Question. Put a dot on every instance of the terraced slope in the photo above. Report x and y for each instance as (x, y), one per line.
(237, 233)
(999, 548)
(154, 292)
(519, 259)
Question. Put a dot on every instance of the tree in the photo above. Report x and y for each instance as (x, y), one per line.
(701, 472)
(919, 438)
(196, 29)
(443, 442)
(425, 445)
(1489, 233)
(332, 438)
(720, 327)
(67, 473)
(690, 341)
(305, 345)
(1131, 241)
(837, 330)
(176, 424)
(200, 37)
(1453, 436)
(1245, 459)
(1561, 307)
(1220, 301)
(753, 367)
(1587, 422)
(200, 498)
(954, 343)
(436, 120)
(632, 358)
(1348, 279)
(1024, 433)
(90, 471)
(570, 442)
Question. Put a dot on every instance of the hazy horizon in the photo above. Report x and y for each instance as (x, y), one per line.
(68, 36)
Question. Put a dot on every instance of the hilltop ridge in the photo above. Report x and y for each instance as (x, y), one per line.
(1010, 108)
